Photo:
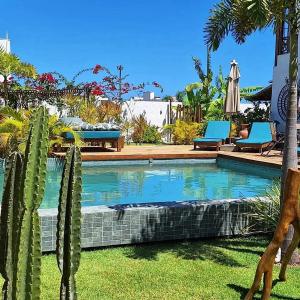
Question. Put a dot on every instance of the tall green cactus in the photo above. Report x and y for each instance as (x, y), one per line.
(32, 192)
(69, 224)
(9, 225)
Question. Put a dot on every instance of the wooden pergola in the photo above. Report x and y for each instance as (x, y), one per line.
(44, 94)
(50, 93)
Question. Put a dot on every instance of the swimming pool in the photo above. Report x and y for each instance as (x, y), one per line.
(130, 182)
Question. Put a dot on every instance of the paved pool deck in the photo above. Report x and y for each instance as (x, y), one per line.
(133, 152)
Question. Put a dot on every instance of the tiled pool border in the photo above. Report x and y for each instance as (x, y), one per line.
(131, 224)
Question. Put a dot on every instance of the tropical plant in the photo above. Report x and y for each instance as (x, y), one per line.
(201, 93)
(109, 111)
(183, 132)
(253, 114)
(69, 224)
(151, 134)
(180, 96)
(14, 128)
(265, 211)
(139, 126)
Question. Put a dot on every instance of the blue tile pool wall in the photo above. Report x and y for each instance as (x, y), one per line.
(249, 167)
(121, 225)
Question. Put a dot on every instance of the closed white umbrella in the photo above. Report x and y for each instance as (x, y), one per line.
(233, 97)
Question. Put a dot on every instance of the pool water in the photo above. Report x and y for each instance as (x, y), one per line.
(161, 181)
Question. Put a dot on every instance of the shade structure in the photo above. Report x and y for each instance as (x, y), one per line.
(233, 98)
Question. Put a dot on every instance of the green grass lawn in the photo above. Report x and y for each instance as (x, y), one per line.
(217, 269)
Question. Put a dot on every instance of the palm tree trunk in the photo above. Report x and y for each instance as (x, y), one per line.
(290, 159)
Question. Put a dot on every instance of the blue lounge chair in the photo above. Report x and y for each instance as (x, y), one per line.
(260, 137)
(215, 135)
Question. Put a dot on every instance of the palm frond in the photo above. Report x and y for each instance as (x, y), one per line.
(193, 86)
(10, 125)
(219, 24)
(248, 91)
(12, 113)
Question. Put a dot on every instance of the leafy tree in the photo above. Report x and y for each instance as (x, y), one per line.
(11, 66)
(242, 18)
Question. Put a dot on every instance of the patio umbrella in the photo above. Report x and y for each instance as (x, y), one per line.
(233, 98)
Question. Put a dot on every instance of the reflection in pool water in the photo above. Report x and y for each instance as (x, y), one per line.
(161, 182)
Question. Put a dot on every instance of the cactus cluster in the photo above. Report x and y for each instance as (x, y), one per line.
(20, 235)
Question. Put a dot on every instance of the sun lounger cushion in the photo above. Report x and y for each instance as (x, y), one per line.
(216, 131)
(260, 134)
(207, 140)
(95, 134)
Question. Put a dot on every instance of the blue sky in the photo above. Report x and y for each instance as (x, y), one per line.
(154, 40)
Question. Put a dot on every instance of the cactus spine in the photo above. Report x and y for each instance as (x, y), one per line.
(9, 226)
(69, 223)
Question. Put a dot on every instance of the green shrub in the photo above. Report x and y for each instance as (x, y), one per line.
(152, 135)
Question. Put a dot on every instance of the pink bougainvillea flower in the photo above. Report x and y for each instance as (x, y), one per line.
(96, 69)
(39, 88)
(97, 91)
(107, 78)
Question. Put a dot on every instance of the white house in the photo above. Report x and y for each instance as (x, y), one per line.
(156, 112)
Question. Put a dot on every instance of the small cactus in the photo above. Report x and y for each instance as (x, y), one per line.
(69, 223)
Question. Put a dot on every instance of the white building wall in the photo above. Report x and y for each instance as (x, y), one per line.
(155, 112)
(5, 45)
(280, 76)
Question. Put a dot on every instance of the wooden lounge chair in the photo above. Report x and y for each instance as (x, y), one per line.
(261, 136)
(215, 135)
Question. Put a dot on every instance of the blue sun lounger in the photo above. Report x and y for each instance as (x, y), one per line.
(215, 135)
(260, 137)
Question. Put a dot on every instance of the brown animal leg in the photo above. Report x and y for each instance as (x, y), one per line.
(289, 215)
(265, 267)
(289, 252)
(267, 283)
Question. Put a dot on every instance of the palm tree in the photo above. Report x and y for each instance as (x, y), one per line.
(202, 93)
(241, 18)
(11, 65)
